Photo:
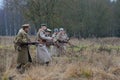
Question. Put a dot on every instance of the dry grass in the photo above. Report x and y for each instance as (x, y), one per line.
(93, 59)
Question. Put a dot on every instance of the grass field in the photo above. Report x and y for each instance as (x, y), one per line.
(92, 59)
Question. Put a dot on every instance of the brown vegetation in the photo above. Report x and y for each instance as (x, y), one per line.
(92, 59)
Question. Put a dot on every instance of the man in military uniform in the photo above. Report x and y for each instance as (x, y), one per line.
(43, 55)
(62, 38)
(54, 35)
(49, 43)
(55, 48)
(48, 32)
(23, 50)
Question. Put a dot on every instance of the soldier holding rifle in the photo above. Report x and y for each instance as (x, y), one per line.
(43, 55)
(22, 42)
(62, 39)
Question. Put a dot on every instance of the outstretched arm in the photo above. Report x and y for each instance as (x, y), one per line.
(42, 35)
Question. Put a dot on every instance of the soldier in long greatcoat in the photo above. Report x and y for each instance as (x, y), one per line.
(23, 57)
(43, 55)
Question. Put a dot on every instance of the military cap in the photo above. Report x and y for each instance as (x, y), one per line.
(48, 30)
(25, 25)
(61, 29)
(56, 30)
(43, 24)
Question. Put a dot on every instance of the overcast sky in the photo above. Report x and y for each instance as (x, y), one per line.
(1, 3)
(113, 0)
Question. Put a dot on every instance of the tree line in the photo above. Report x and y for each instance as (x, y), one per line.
(80, 18)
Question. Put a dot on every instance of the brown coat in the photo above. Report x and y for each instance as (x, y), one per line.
(22, 37)
(39, 38)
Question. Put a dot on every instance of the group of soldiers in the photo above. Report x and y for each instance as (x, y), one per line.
(47, 45)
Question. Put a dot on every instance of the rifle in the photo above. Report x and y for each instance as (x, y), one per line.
(67, 42)
(26, 44)
(29, 43)
(49, 43)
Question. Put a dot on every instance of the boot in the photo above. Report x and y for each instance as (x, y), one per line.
(47, 63)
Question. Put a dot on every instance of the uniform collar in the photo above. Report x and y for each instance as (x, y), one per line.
(21, 30)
